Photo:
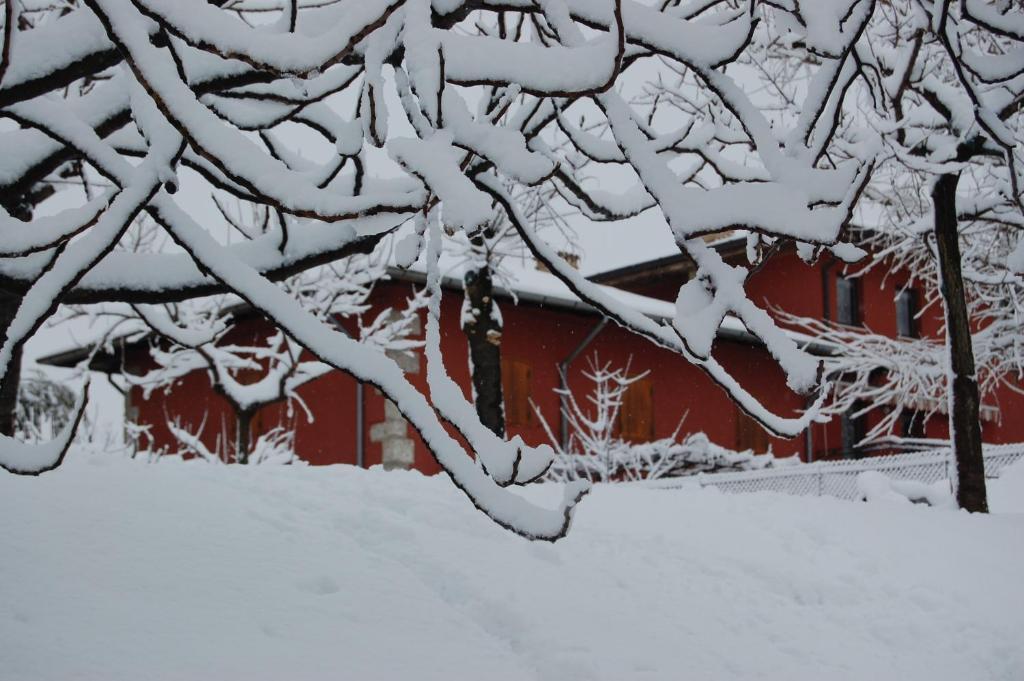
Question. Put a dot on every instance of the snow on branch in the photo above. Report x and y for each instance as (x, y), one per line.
(148, 97)
(900, 378)
(250, 371)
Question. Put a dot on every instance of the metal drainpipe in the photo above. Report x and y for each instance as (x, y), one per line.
(360, 409)
(563, 375)
(810, 437)
(826, 307)
(360, 413)
(826, 314)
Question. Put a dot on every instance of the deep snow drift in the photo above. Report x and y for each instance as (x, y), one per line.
(120, 570)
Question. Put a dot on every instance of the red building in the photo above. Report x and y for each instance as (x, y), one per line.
(547, 329)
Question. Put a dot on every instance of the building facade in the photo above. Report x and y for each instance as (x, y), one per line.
(548, 332)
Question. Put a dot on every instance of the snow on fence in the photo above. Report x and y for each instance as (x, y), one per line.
(839, 478)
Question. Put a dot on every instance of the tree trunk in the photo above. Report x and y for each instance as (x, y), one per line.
(9, 384)
(243, 430)
(964, 400)
(19, 206)
(483, 331)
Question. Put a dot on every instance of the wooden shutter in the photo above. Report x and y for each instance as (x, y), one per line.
(517, 380)
(636, 416)
(906, 313)
(749, 434)
(847, 302)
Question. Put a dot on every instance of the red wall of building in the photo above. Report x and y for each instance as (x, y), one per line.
(542, 337)
(788, 283)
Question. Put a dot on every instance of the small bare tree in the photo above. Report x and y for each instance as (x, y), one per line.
(597, 453)
(594, 451)
(44, 407)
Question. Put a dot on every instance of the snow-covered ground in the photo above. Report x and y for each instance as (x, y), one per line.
(118, 570)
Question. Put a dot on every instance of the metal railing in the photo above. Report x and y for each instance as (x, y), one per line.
(839, 478)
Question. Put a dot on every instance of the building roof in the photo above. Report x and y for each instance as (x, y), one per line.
(729, 244)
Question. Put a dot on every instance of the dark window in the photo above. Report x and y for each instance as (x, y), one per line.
(852, 431)
(517, 378)
(912, 424)
(906, 313)
(636, 415)
(848, 301)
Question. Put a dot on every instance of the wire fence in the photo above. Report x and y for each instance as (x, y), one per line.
(839, 478)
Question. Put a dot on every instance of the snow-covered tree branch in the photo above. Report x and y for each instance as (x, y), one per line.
(942, 86)
(251, 373)
(429, 109)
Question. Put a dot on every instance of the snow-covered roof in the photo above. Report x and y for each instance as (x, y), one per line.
(731, 239)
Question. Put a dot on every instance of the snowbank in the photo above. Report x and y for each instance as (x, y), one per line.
(118, 570)
(1006, 494)
(876, 486)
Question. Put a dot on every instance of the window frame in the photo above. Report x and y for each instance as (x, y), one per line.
(850, 286)
(907, 305)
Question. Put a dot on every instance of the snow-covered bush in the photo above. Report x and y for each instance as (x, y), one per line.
(696, 453)
(875, 486)
(274, 447)
(665, 458)
(44, 407)
(595, 452)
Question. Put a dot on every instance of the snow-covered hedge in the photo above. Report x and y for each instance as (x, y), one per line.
(667, 457)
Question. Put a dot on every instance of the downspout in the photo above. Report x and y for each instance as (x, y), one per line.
(826, 307)
(360, 417)
(826, 315)
(810, 437)
(563, 376)
(360, 414)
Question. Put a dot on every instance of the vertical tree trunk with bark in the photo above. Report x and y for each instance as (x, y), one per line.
(20, 207)
(243, 430)
(483, 332)
(964, 400)
(9, 385)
